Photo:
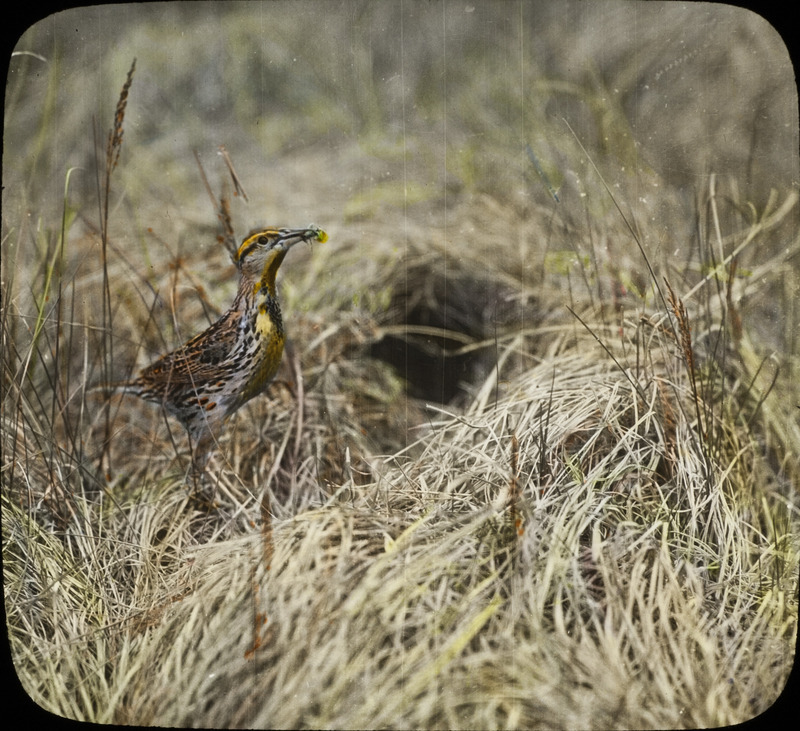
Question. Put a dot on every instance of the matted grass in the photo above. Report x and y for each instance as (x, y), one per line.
(527, 463)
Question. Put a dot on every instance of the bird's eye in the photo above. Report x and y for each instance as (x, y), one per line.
(263, 240)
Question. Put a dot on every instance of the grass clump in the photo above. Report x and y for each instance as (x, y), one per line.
(523, 466)
(596, 534)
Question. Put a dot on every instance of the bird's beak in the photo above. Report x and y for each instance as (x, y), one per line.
(289, 237)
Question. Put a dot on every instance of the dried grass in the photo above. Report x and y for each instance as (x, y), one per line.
(500, 481)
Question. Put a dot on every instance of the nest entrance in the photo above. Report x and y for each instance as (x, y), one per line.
(440, 333)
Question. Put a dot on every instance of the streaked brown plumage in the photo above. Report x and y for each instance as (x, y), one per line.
(216, 372)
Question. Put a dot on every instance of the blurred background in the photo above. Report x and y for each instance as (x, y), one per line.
(428, 100)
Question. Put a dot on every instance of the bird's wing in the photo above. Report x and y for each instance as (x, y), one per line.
(201, 360)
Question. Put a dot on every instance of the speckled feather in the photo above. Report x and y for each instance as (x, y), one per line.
(216, 372)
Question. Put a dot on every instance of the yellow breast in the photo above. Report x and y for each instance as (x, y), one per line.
(265, 328)
(269, 339)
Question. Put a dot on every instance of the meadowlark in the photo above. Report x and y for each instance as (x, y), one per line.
(216, 372)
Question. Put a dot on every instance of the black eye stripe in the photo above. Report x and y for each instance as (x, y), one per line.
(255, 240)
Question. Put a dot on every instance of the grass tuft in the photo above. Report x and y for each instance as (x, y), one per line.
(531, 457)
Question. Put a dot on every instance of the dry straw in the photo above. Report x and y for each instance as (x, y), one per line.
(598, 530)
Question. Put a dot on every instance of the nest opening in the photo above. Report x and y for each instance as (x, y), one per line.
(436, 325)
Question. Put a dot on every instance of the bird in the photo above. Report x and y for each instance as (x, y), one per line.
(211, 376)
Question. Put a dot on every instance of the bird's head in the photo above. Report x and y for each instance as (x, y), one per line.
(263, 251)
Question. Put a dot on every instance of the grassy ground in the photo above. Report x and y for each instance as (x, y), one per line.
(531, 459)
